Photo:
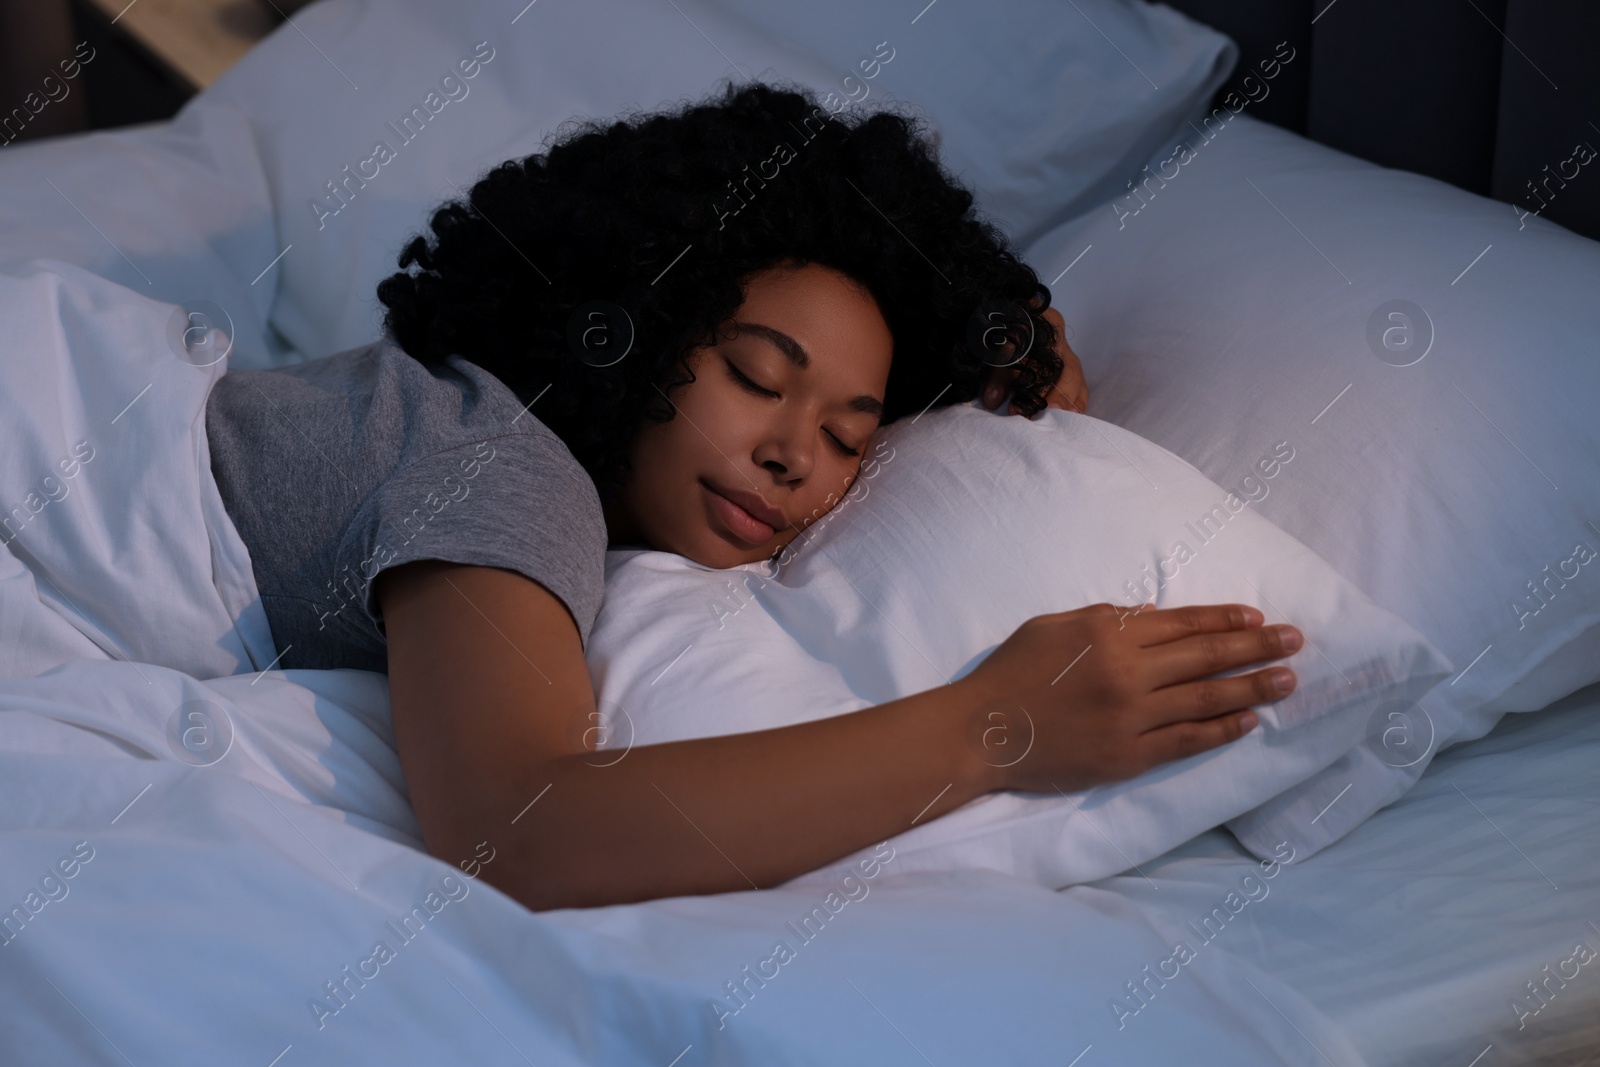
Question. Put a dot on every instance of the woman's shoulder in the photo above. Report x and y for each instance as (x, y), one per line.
(381, 381)
(358, 364)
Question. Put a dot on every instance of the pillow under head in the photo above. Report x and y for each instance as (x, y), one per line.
(962, 526)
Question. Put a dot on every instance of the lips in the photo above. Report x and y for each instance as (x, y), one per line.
(752, 503)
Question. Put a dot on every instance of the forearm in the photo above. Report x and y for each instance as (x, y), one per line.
(735, 812)
(489, 696)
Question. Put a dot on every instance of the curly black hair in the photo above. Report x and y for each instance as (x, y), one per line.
(667, 215)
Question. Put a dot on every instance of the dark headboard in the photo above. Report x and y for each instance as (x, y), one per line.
(1489, 95)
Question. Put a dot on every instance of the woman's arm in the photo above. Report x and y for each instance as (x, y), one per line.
(491, 699)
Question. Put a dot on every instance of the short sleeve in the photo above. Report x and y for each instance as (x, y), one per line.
(518, 501)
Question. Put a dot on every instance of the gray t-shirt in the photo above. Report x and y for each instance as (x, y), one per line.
(340, 468)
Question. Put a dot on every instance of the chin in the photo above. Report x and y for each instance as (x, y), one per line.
(728, 556)
(723, 555)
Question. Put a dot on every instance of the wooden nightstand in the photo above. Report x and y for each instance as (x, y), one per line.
(193, 41)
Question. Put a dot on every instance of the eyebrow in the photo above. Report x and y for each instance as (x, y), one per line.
(800, 358)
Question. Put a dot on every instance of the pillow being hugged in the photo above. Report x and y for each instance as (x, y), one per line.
(962, 526)
(1428, 353)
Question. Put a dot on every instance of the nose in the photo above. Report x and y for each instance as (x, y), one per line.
(789, 449)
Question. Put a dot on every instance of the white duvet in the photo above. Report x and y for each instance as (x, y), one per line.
(245, 879)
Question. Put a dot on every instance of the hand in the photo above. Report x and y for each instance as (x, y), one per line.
(1070, 392)
(1102, 693)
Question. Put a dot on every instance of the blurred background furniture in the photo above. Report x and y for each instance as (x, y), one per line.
(150, 56)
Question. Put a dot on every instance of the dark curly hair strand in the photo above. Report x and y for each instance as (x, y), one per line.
(668, 215)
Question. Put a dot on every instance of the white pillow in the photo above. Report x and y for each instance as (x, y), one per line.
(1044, 110)
(177, 212)
(1033, 134)
(1246, 299)
(963, 525)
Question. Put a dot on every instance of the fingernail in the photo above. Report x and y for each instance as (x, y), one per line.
(1283, 679)
(1252, 617)
(1248, 720)
(1292, 639)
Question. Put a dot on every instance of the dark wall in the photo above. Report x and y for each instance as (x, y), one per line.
(1546, 110)
(1412, 84)
(1489, 95)
(123, 85)
(1257, 26)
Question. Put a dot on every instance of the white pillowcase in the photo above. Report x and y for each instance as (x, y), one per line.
(963, 525)
(1042, 108)
(1044, 114)
(176, 211)
(1244, 298)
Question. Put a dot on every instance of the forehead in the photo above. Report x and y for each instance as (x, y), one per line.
(825, 311)
(806, 281)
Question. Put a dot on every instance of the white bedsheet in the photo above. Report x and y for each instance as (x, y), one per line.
(106, 492)
(246, 849)
(256, 879)
(241, 840)
(217, 901)
(187, 866)
(1418, 932)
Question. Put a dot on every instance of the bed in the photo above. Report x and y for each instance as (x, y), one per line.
(203, 854)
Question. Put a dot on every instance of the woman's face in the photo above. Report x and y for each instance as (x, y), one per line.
(813, 352)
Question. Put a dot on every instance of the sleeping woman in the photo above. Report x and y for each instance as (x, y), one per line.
(679, 331)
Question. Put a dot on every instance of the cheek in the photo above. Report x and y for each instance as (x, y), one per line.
(670, 457)
(657, 461)
(723, 412)
(827, 497)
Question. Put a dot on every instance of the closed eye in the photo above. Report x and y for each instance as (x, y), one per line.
(746, 383)
(751, 387)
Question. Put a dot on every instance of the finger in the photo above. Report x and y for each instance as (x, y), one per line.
(1209, 648)
(1158, 626)
(997, 385)
(1204, 700)
(1185, 739)
(1194, 657)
